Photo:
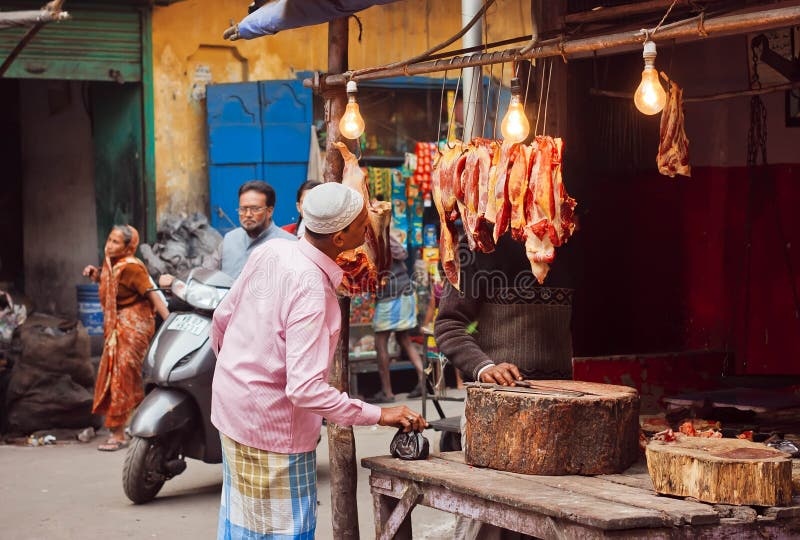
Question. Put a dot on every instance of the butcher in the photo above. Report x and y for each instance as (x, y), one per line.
(504, 327)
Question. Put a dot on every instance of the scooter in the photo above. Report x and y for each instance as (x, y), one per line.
(173, 421)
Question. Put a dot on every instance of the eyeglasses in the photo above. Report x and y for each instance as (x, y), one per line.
(244, 210)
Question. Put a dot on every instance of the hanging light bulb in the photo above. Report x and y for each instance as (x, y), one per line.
(650, 97)
(351, 125)
(515, 126)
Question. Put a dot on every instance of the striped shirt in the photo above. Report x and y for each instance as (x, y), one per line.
(275, 335)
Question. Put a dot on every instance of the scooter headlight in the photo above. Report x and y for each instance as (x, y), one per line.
(203, 296)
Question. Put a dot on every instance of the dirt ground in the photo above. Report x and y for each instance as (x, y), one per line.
(70, 491)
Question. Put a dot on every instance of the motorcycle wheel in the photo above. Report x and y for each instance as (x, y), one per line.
(142, 478)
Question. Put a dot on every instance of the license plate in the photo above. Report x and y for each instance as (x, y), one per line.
(188, 323)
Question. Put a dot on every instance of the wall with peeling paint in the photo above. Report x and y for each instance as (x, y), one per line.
(189, 52)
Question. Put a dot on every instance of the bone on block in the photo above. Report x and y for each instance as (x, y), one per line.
(730, 471)
(552, 427)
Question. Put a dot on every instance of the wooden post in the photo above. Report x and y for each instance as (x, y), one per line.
(335, 99)
(341, 442)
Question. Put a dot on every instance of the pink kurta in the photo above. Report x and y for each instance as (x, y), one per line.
(275, 335)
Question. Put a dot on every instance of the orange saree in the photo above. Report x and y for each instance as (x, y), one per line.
(127, 331)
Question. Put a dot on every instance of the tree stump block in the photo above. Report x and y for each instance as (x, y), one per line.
(730, 471)
(552, 427)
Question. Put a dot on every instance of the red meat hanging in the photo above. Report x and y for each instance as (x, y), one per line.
(511, 186)
(673, 148)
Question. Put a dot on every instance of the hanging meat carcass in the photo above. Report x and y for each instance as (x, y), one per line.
(518, 191)
(445, 183)
(673, 148)
(511, 185)
(363, 265)
(502, 218)
(550, 215)
(476, 172)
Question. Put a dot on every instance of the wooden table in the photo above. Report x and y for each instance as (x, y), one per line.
(559, 507)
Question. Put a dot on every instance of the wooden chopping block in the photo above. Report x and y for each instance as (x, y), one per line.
(552, 427)
(730, 471)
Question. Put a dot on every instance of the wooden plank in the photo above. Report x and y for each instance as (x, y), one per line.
(784, 512)
(526, 494)
(638, 480)
(506, 516)
(401, 514)
(680, 512)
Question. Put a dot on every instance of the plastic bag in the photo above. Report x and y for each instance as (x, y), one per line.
(410, 445)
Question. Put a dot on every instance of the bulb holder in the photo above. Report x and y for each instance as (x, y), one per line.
(516, 87)
(352, 88)
(649, 50)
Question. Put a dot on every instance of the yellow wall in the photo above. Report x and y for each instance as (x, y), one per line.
(189, 51)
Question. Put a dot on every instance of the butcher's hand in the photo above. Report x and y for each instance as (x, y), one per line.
(92, 272)
(402, 417)
(504, 374)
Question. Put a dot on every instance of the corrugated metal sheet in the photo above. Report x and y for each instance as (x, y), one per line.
(99, 43)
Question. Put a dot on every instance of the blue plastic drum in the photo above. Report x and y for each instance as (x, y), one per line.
(90, 312)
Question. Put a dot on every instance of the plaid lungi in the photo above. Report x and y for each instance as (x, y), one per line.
(395, 313)
(266, 495)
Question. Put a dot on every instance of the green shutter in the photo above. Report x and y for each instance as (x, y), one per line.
(99, 43)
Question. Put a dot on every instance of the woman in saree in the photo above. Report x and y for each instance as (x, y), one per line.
(129, 303)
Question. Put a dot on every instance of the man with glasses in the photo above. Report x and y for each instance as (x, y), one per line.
(256, 205)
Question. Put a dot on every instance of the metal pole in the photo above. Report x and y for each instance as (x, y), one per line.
(692, 30)
(341, 442)
(472, 104)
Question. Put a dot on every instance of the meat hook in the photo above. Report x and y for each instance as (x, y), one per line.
(441, 103)
(451, 116)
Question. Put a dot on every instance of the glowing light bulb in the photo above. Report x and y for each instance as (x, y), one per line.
(515, 126)
(650, 97)
(351, 125)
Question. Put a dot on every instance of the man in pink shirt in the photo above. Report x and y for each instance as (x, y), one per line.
(275, 335)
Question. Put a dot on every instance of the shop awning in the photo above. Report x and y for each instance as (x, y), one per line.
(277, 15)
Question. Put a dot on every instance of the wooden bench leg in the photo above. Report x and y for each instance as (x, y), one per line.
(392, 516)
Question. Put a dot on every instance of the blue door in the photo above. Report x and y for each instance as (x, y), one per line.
(258, 130)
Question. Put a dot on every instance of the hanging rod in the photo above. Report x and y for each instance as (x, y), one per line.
(712, 97)
(695, 28)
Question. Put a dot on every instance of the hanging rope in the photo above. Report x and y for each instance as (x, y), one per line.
(541, 99)
(527, 86)
(451, 116)
(441, 105)
(547, 97)
(488, 97)
(497, 105)
(664, 18)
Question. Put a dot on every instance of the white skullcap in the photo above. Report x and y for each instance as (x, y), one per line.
(331, 207)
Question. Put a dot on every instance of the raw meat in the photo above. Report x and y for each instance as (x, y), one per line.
(363, 264)
(673, 148)
(511, 185)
